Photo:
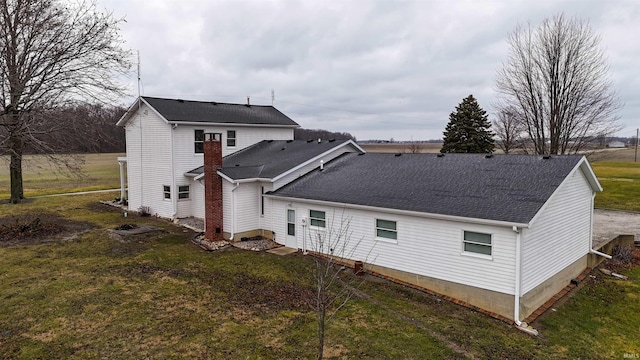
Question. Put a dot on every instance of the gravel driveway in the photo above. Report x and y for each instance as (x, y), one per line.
(608, 224)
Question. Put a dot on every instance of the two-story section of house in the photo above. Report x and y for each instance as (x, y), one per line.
(165, 140)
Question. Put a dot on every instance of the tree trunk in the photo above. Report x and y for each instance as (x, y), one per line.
(321, 318)
(15, 168)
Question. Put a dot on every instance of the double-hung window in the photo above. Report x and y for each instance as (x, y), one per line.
(317, 219)
(477, 243)
(386, 230)
(166, 190)
(231, 138)
(198, 142)
(183, 192)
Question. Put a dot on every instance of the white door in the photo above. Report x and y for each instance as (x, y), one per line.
(291, 240)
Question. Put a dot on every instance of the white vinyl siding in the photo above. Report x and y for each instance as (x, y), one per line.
(429, 247)
(148, 140)
(560, 235)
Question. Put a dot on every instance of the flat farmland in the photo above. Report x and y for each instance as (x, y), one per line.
(41, 177)
(402, 147)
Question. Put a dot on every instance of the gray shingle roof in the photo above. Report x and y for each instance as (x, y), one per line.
(270, 158)
(509, 188)
(212, 112)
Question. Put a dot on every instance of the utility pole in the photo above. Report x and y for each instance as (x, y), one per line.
(635, 158)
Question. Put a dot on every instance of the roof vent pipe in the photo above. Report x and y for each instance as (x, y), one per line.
(248, 101)
(319, 140)
(321, 165)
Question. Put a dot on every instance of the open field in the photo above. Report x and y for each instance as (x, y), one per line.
(402, 147)
(157, 296)
(100, 171)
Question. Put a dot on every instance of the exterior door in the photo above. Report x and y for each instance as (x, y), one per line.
(291, 240)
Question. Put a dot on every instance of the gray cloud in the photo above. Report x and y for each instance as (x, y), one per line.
(377, 69)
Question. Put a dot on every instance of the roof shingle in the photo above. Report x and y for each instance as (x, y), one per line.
(175, 110)
(509, 188)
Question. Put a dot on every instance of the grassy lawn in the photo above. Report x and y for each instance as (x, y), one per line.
(158, 296)
(621, 184)
(100, 171)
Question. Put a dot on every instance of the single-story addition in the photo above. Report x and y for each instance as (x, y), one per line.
(504, 233)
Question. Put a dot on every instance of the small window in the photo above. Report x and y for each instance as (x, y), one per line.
(167, 192)
(317, 218)
(198, 143)
(386, 229)
(261, 200)
(183, 192)
(478, 243)
(231, 138)
(291, 222)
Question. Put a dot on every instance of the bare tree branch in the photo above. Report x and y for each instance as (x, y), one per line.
(53, 53)
(555, 81)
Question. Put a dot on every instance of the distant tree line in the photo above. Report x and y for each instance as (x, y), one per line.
(306, 134)
(73, 129)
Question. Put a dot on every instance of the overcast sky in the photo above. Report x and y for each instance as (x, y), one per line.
(376, 69)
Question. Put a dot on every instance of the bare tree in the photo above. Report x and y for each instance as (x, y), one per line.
(331, 249)
(414, 147)
(556, 81)
(52, 53)
(508, 128)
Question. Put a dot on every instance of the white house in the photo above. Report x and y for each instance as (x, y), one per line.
(504, 233)
(165, 140)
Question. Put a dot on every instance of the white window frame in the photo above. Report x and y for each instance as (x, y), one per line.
(323, 219)
(382, 238)
(166, 192)
(474, 253)
(234, 138)
(196, 141)
(182, 192)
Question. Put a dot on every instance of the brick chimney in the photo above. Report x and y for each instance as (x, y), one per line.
(213, 187)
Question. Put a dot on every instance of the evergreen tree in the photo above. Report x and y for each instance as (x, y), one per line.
(468, 130)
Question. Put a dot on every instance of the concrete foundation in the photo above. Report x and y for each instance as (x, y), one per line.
(268, 234)
(539, 295)
(491, 301)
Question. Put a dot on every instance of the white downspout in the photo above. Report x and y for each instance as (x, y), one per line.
(174, 192)
(233, 210)
(516, 304)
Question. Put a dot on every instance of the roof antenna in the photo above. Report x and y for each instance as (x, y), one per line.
(138, 78)
(248, 102)
(273, 96)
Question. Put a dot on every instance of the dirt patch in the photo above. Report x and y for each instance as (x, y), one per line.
(266, 294)
(102, 208)
(38, 228)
